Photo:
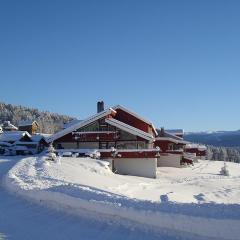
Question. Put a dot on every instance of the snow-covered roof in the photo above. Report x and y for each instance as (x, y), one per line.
(37, 137)
(177, 141)
(175, 131)
(27, 123)
(7, 125)
(70, 123)
(45, 135)
(196, 146)
(80, 124)
(165, 133)
(13, 136)
(135, 115)
(129, 129)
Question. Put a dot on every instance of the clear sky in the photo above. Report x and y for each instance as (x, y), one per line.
(176, 63)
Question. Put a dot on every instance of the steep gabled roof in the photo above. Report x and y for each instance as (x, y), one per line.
(7, 125)
(70, 123)
(80, 124)
(38, 137)
(171, 140)
(165, 135)
(27, 123)
(200, 147)
(135, 115)
(129, 129)
(175, 131)
(13, 136)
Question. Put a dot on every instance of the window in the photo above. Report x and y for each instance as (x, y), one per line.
(127, 145)
(126, 136)
(90, 128)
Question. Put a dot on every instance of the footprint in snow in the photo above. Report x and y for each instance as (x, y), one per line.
(164, 198)
(199, 197)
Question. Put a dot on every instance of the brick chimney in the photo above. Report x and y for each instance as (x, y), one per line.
(162, 132)
(100, 106)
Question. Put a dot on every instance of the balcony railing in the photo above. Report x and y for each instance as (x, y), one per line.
(96, 136)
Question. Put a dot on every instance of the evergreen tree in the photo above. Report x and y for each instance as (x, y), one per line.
(48, 122)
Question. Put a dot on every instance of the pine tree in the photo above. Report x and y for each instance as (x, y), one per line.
(51, 153)
(224, 170)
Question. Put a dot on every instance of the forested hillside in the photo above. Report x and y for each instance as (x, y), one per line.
(230, 154)
(222, 145)
(218, 139)
(48, 122)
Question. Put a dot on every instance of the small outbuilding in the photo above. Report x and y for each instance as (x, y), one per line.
(40, 141)
(14, 136)
(172, 148)
(8, 126)
(28, 125)
(200, 151)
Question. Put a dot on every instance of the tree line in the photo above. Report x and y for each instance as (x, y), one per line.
(230, 154)
(48, 122)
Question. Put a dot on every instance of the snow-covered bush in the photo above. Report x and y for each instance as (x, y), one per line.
(51, 153)
(113, 152)
(75, 155)
(58, 159)
(97, 155)
(93, 154)
(224, 170)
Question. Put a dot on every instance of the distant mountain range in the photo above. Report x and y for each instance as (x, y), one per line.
(48, 122)
(219, 138)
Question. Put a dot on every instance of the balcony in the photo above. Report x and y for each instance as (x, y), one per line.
(96, 136)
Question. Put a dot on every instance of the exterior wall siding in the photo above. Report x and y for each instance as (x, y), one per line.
(133, 121)
(195, 150)
(164, 145)
(69, 145)
(143, 167)
(125, 154)
(169, 160)
(116, 138)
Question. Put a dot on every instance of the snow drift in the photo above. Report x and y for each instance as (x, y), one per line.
(87, 186)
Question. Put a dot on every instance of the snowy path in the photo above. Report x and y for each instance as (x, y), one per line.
(20, 219)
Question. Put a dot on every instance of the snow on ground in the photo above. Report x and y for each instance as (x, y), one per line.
(201, 183)
(20, 219)
(195, 200)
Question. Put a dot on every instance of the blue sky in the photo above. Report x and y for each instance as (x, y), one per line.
(176, 63)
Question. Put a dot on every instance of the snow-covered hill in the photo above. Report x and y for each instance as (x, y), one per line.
(21, 219)
(218, 138)
(201, 183)
(194, 200)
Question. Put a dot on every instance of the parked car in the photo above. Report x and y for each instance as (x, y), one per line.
(67, 154)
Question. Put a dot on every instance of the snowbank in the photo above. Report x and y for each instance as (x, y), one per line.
(84, 185)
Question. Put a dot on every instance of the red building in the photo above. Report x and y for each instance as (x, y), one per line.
(130, 143)
(200, 151)
(172, 148)
(120, 135)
